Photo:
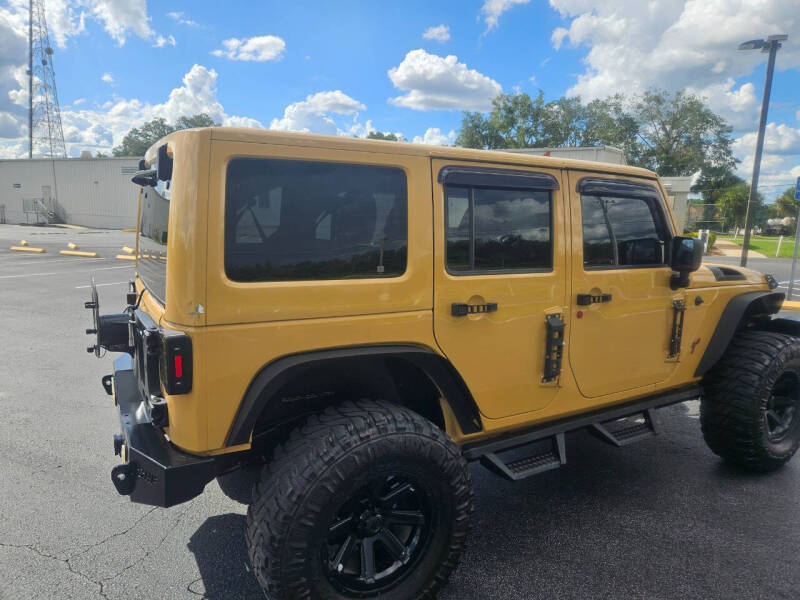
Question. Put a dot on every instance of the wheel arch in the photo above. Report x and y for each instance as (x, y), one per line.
(263, 403)
(739, 311)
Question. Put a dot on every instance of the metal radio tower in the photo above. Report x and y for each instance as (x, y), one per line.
(45, 133)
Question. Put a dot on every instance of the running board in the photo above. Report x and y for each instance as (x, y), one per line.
(529, 465)
(595, 420)
(621, 432)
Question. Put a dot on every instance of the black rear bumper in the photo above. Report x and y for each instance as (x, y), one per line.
(155, 472)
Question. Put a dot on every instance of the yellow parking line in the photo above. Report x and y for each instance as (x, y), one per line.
(128, 250)
(29, 249)
(791, 305)
(80, 253)
(73, 246)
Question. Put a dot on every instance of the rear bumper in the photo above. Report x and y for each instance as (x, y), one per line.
(154, 471)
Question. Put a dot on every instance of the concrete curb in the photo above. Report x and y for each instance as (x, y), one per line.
(79, 253)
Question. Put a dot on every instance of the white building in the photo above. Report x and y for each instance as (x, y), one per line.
(678, 188)
(95, 192)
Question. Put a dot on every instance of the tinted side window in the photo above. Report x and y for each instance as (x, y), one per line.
(491, 229)
(620, 231)
(298, 220)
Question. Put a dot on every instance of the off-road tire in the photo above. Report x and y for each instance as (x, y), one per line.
(321, 464)
(238, 485)
(736, 393)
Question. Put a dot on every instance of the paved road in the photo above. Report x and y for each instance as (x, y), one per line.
(663, 519)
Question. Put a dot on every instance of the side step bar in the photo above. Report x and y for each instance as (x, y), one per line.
(629, 432)
(529, 465)
(612, 425)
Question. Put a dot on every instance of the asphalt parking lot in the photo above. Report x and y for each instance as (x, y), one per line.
(663, 519)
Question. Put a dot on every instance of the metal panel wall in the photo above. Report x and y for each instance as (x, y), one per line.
(94, 192)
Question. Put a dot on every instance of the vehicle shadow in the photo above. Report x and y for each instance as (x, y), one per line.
(661, 519)
(219, 549)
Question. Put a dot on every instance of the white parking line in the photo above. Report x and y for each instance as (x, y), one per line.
(83, 287)
(60, 273)
(58, 260)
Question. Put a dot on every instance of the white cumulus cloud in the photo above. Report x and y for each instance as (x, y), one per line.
(181, 19)
(492, 9)
(107, 77)
(435, 137)
(260, 48)
(433, 82)
(121, 16)
(440, 33)
(162, 41)
(316, 113)
(674, 44)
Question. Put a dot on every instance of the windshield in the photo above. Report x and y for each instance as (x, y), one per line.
(153, 224)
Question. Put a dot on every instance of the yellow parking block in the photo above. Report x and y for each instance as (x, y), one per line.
(73, 246)
(23, 243)
(125, 257)
(128, 250)
(29, 249)
(130, 230)
(791, 305)
(80, 253)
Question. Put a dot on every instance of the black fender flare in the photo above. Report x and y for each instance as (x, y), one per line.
(274, 375)
(737, 311)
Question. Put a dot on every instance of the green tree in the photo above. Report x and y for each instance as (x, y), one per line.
(786, 205)
(198, 120)
(389, 137)
(679, 135)
(732, 204)
(139, 139)
(609, 123)
(673, 134)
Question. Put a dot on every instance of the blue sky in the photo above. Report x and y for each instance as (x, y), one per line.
(349, 67)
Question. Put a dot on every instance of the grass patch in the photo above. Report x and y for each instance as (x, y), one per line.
(767, 245)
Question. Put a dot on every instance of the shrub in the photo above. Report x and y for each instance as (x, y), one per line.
(712, 238)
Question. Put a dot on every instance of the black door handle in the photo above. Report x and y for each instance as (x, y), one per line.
(587, 299)
(462, 310)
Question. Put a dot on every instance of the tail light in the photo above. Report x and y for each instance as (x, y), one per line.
(176, 362)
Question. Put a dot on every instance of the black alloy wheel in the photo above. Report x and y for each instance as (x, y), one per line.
(378, 535)
(782, 407)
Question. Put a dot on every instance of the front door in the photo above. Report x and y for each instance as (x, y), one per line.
(622, 305)
(500, 263)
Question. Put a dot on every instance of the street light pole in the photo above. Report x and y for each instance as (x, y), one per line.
(771, 45)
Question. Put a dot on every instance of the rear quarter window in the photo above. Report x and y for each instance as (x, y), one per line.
(299, 220)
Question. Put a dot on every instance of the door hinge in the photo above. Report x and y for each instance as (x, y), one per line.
(554, 348)
(678, 313)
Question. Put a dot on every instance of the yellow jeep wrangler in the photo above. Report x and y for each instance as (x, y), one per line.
(345, 324)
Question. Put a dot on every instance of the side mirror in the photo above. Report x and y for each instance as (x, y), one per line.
(146, 178)
(164, 164)
(687, 255)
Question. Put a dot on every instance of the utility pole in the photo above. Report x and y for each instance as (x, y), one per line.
(771, 45)
(30, 79)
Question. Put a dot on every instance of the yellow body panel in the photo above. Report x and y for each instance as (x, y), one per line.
(614, 352)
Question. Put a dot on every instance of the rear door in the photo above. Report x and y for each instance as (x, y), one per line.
(622, 307)
(500, 269)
